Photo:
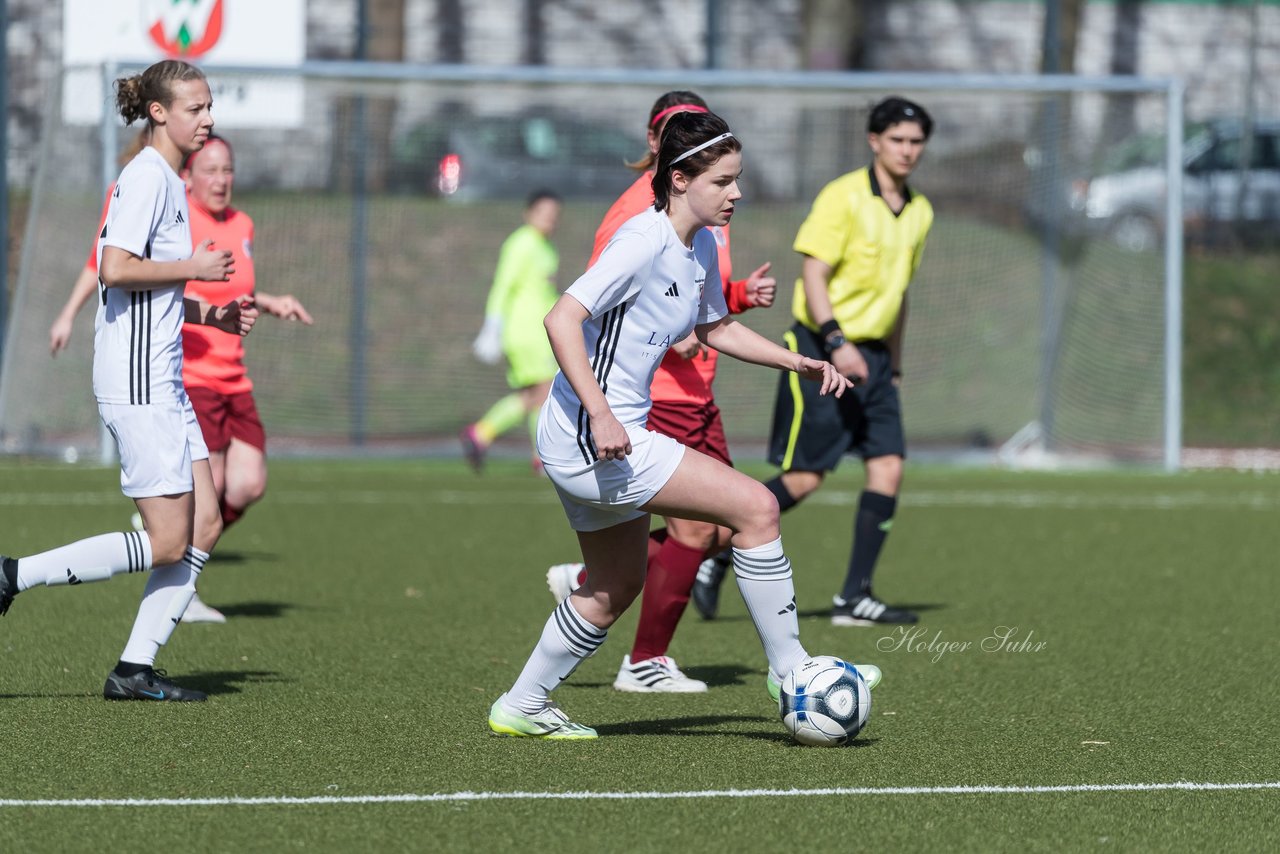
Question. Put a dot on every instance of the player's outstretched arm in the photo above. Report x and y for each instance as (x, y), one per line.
(236, 317)
(81, 291)
(287, 307)
(745, 344)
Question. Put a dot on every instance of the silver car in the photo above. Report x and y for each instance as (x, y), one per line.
(1126, 201)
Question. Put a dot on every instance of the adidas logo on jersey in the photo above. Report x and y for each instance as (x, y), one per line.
(673, 291)
(180, 219)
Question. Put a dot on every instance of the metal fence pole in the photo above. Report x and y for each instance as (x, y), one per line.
(359, 246)
(4, 174)
(110, 145)
(1173, 279)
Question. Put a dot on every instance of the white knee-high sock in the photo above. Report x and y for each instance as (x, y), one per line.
(764, 577)
(168, 592)
(566, 640)
(95, 559)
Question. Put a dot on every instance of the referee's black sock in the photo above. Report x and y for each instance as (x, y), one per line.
(870, 529)
(779, 489)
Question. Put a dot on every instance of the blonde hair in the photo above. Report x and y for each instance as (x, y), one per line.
(135, 94)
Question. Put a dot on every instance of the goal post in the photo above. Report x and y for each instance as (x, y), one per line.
(1033, 336)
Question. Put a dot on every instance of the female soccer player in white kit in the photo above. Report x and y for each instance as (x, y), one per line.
(144, 261)
(657, 280)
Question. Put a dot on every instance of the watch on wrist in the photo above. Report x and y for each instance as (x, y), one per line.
(834, 341)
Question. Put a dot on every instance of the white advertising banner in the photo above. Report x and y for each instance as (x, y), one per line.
(226, 32)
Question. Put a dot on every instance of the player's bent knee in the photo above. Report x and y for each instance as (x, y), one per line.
(759, 511)
(167, 550)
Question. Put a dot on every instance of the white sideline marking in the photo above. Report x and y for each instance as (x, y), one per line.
(638, 796)
(1266, 501)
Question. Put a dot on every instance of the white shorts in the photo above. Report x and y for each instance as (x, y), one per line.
(610, 492)
(158, 442)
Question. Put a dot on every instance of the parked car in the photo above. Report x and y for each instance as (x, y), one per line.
(467, 156)
(1126, 198)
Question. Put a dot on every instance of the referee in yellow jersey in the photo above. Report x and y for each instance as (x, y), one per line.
(861, 244)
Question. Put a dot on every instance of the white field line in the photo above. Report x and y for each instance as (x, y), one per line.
(453, 797)
(1025, 500)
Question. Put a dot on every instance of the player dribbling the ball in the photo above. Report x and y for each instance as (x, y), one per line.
(656, 281)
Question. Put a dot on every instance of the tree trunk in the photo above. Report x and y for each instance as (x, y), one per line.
(364, 122)
(833, 33)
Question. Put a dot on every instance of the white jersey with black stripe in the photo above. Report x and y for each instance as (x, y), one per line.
(137, 344)
(646, 292)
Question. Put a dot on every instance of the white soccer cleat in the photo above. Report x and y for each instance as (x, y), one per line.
(658, 675)
(199, 612)
(562, 579)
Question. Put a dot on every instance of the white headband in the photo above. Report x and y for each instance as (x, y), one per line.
(706, 144)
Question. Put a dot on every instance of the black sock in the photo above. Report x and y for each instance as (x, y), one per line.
(128, 668)
(779, 489)
(870, 528)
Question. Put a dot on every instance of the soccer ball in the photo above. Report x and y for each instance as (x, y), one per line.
(824, 701)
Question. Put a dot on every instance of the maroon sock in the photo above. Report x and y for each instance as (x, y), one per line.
(230, 514)
(666, 593)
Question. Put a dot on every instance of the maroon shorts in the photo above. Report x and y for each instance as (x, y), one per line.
(694, 425)
(224, 417)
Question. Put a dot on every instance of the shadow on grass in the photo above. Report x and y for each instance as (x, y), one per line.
(212, 682)
(910, 606)
(256, 609)
(215, 682)
(704, 726)
(697, 725)
(242, 557)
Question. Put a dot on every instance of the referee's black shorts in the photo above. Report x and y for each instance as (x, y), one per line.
(812, 432)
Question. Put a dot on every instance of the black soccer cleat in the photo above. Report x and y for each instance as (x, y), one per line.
(868, 611)
(706, 587)
(149, 684)
(8, 582)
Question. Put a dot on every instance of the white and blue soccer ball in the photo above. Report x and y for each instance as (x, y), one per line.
(824, 701)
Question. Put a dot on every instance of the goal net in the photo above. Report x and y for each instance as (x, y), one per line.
(1032, 327)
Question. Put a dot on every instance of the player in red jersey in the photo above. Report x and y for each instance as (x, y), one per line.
(213, 369)
(683, 408)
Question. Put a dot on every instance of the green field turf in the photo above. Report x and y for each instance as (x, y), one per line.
(378, 608)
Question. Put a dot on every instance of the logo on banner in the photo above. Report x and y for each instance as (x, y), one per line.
(184, 28)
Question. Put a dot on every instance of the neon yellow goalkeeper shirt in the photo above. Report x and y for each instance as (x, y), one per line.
(873, 253)
(523, 285)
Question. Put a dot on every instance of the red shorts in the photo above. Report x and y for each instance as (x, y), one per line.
(694, 425)
(224, 417)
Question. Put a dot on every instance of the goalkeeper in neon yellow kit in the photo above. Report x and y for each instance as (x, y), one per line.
(523, 292)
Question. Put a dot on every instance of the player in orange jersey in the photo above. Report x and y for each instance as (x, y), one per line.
(684, 408)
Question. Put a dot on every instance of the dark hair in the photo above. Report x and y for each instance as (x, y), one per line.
(684, 132)
(541, 194)
(135, 94)
(665, 102)
(213, 137)
(894, 110)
